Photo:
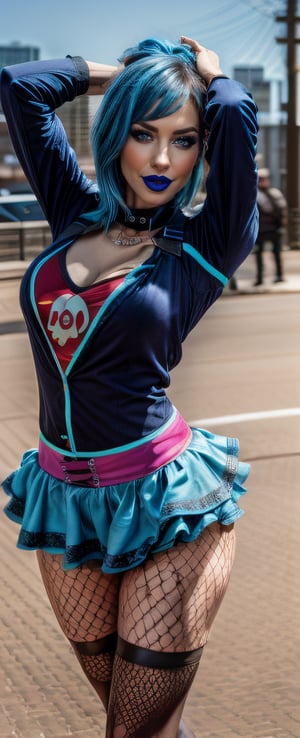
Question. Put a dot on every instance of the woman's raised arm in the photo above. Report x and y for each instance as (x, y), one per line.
(100, 76)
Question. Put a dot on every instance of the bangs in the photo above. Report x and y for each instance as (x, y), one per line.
(160, 95)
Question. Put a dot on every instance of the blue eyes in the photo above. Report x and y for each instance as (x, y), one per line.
(186, 141)
(142, 136)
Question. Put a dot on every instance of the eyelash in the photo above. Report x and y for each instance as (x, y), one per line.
(188, 141)
(140, 135)
(185, 142)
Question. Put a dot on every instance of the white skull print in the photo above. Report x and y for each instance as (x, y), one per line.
(69, 316)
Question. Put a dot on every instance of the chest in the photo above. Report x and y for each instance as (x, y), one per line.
(125, 318)
(96, 257)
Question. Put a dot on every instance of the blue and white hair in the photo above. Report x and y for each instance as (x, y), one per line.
(158, 78)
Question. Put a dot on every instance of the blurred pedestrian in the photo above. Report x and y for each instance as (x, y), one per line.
(272, 208)
(131, 510)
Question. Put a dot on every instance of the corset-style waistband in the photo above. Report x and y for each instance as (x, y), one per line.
(123, 464)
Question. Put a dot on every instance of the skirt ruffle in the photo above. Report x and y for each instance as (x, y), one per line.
(120, 525)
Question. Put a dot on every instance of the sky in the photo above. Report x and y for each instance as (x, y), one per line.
(241, 32)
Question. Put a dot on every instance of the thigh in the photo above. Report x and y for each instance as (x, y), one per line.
(84, 599)
(170, 602)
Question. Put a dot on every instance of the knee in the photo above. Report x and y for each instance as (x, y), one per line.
(97, 657)
(149, 689)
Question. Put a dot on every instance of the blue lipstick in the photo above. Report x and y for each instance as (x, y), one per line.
(157, 184)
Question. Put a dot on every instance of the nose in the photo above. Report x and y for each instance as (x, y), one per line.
(160, 158)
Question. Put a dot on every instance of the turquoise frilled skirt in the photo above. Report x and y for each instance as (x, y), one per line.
(121, 524)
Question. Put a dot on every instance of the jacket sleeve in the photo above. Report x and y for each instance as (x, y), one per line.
(225, 231)
(30, 94)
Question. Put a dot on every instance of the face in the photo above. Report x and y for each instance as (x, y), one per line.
(263, 183)
(159, 156)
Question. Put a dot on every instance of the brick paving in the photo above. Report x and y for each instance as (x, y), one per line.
(248, 684)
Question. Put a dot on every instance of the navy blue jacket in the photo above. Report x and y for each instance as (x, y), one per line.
(113, 390)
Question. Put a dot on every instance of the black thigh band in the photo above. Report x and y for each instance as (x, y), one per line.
(157, 659)
(102, 645)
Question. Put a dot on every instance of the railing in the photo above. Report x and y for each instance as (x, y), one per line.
(23, 240)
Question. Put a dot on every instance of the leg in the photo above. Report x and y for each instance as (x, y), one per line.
(85, 602)
(148, 692)
(166, 610)
(259, 262)
(277, 256)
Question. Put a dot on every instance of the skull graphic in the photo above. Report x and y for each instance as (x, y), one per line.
(68, 317)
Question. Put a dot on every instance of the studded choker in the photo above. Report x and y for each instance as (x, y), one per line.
(143, 220)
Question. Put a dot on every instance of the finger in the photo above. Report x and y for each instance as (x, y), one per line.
(191, 42)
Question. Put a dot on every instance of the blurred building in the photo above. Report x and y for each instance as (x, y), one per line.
(268, 94)
(16, 53)
(75, 117)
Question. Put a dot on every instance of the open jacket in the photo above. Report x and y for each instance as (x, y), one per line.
(112, 390)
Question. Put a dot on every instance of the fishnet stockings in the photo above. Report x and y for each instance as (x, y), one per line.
(143, 699)
(84, 600)
(170, 603)
(97, 661)
(166, 605)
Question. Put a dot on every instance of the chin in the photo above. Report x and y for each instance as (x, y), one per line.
(157, 199)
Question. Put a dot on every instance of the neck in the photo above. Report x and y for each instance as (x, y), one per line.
(146, 219)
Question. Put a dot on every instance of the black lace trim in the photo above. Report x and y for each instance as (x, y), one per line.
(130, 558)
(16, 507)
(30, 540)
(75, 554)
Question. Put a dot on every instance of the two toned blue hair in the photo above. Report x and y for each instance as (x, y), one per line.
(158, 78)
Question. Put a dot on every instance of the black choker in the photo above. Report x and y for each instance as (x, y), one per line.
(143, 220)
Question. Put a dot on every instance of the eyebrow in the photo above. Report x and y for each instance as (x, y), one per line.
(178, 131)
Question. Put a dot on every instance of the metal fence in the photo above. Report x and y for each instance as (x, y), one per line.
(23, 240)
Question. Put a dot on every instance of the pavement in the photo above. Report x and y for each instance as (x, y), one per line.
(248, 684)
(245, 277)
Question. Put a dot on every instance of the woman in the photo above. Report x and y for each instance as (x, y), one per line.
(131, 511)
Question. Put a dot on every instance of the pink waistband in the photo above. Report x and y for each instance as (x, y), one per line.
(121, 466)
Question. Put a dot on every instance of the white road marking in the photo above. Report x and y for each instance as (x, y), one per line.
(245, 417)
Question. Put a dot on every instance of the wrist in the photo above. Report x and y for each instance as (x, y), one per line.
(99, 77)
(216, 76)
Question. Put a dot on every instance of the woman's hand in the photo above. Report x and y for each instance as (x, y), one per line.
(207, 61)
